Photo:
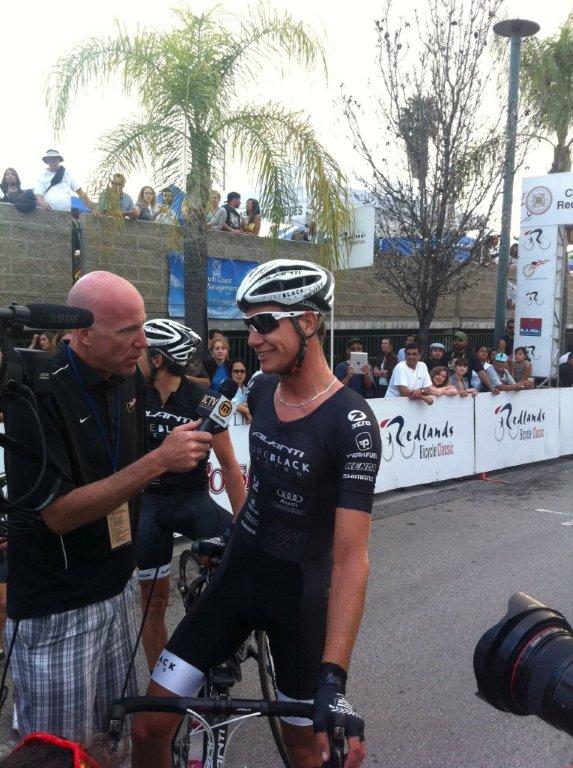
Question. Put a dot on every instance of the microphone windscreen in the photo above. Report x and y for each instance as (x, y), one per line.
(56, 317)
(228, 388)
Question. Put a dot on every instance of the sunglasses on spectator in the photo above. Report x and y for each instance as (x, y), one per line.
(267, 322)
(238, 370)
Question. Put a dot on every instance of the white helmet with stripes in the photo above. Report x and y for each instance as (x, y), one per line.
(289, 283)
(171, 339)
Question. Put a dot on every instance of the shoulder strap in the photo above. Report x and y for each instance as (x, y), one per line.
(57, 177)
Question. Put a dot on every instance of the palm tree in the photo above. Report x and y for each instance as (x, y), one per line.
(547, 91)
(189, 81)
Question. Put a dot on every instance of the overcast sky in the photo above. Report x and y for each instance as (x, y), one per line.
(34, 37)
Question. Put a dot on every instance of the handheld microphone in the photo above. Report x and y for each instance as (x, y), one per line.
(46, 316)
(216, 407)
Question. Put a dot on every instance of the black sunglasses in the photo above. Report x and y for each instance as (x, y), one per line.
(238, 370)
(267, 322)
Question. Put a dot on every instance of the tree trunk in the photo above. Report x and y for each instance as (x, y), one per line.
(425, 317)
(195, 253)
(561, 159)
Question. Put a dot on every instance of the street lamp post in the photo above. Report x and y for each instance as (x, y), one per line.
(515, 29)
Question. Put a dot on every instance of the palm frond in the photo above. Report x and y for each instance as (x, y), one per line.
(280, 148)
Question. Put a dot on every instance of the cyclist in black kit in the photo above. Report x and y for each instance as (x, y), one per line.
(175, 502)
(297, 562)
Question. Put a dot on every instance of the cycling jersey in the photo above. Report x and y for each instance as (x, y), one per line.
(276, 571)
(161, 418)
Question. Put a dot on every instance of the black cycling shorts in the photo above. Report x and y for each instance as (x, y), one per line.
(252, 590)
(194, 514)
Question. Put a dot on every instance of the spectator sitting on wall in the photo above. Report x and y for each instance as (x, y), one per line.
(166, 214)
(460, 344)
(56, 185)
(384, 367)
(410, 377)
(146, 204)
(251, 222)
(436, 356)
(566, 372)
(216, 215)
(360, 381)
(113, 201)
(507, 382)
(520, 368)
(402, 352)
(441, 383)
(24, 200)
(232, 217)
(459, 378)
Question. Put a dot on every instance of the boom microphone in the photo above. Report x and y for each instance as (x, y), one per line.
(46, 316)
(216, 407)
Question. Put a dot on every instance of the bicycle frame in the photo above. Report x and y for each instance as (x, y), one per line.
(237, 710)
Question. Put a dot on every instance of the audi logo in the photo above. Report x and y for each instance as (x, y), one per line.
(288, 496)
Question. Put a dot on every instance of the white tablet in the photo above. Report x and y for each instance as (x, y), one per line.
(358, 360)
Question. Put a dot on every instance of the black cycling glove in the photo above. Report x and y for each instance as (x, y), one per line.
(330, 700)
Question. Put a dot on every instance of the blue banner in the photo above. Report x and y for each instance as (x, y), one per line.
(176, 297)
(223, 278)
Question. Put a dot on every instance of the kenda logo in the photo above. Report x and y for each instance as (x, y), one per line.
(425, 438)
(523, 424)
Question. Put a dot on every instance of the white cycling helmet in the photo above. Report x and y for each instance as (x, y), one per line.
(171, 339)
(289, 283)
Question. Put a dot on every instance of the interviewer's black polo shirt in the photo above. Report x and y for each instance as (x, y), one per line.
(51, 573)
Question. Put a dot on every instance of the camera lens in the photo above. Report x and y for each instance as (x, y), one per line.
(524, 664)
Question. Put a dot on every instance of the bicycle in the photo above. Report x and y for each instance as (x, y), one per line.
(193, 578)
(224, 711)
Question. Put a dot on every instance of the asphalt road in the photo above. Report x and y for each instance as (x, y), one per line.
(443, 564)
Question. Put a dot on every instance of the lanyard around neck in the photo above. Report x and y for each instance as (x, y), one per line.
(113, 457)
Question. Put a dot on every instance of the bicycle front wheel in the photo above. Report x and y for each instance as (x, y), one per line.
(269, 689)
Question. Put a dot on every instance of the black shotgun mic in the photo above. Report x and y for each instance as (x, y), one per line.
(46, 316)
(216, 407)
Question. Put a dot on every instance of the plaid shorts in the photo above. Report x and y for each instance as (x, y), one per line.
(69, 667)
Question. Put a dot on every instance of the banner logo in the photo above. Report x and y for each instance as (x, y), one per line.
(538, 200)
(530, 326)
(532, 297)
(397, 437)
(529, 269)
(522, 425)
(535, 238)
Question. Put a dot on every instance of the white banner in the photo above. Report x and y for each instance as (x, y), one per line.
(516, 428)
(535, 304)
(359, 249)
(547, 200)
(423, 443)
(565, 421)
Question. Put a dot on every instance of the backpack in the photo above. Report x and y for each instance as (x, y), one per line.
(25, 201)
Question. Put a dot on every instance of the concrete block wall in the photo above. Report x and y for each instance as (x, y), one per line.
(35, 265)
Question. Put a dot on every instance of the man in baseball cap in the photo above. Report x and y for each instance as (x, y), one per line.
(56, 185)
(460, 349)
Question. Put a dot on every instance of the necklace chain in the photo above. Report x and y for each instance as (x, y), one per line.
(306, 402)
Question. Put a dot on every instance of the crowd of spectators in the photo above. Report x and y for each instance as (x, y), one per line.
(459, 371)
(59, 189)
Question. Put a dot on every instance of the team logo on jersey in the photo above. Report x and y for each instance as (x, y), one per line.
(364, 441)
(131, 405)
(356, 416)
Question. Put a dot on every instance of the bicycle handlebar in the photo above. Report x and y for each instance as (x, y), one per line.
(180, 705)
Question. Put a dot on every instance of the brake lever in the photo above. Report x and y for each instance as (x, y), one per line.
(336, 740)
